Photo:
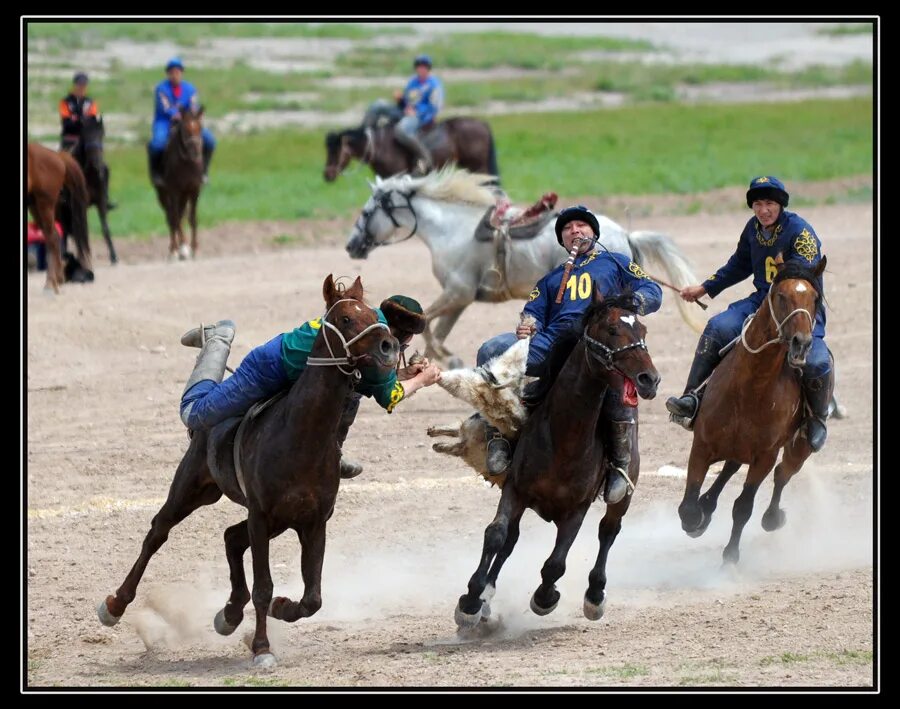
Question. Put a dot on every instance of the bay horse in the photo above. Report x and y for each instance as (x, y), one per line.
(182, 174)
(558, 466)
(290, 468)
(467, 142)
(753, 407)
(89, 154)
(445, 207)
(49, 172)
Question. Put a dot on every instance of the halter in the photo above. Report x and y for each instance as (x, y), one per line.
(606, 356)
(385, 204)
(349, 359)
(778, 325)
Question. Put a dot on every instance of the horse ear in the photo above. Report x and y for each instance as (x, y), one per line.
(598, 296)
(820, 267)
(356, 290)
(200, 111)
(328, 290)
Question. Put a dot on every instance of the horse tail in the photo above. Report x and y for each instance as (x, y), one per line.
(660, 249)
(492, 156)
(79, 199)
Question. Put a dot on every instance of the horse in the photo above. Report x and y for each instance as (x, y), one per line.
(286, 472)
(753, 407)
(49, 173)
(89, 154)
(467, 142)
(557, 468)
(445, 207)
(182, 174)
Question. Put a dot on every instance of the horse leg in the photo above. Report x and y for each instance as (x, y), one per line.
(262, 587)
(447, 302)
(743, 505)
(237, 540)
(167, 200)
(183, 248)
(43, 213)
(442, 329)
(710, 498)
(795, 454)
(102, 209)
(545, 597)
(192, 205)
(690, 511)
(192, 488)
(468, 610)
(512, 536)
(312, 543)
(610, 525)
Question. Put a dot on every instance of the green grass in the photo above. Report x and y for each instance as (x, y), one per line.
(75, 35)
(626, 671)
(855, 28)
(647, 149)
(253, 681)
(173, 683)
(844, 657)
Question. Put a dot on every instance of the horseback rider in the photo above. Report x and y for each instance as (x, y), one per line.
(770, 231)
(276, 365)
(172, 96)
(613, 274)
(73, 109)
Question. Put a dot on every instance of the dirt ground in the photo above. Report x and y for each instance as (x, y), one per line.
(105, 373)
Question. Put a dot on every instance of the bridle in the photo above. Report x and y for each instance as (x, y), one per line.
(605, 355)
(383, 201)
(348, 359)
(778, 325)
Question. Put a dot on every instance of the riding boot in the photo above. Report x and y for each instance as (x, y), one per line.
(207, 158)
(156, 176)
(349, 468)
(618, 484)
(422, 155)
(818, 396)
(210, 365)
(499, 451)
(684, 408)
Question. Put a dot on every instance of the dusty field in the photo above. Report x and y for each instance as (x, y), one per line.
(105, 372)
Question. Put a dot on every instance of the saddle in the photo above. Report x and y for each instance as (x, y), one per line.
(525, 225)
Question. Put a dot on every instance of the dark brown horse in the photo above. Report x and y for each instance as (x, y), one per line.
(467, 142)
(89, 154)
(48, 173)
(182, 174)
(753, 407)
(558, 466)
(290, 469)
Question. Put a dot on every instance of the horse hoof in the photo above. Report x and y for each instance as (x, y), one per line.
(265, 660)
(488, 593)
(184, 252)
(539, 610)
(222, 626)
(701, 526)
(771, 522)
(107, 618)
(730, 557)
(594, 611)
(466, 620)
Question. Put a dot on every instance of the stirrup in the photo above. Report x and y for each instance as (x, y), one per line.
(629, 486)
(507, 452)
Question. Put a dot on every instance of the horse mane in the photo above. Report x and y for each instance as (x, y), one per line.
(549, 370)
(449, 184)
(795, 269)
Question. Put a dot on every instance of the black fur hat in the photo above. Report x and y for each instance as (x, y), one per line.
(404, 314)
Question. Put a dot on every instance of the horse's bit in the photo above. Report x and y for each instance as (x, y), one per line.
(349, 359)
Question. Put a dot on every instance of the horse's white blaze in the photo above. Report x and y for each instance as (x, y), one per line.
(629, 319)
(800, 287)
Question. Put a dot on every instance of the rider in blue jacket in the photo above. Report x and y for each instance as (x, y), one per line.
(420, 102)
(771, 230)
(613, 274)
(172, 96)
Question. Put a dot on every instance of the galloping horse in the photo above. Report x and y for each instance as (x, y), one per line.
(48, 173)
(753, 407)
(182, 180)
(467, 142)
(287, 476)
(557, 468)
(89, 154)
(445, 207)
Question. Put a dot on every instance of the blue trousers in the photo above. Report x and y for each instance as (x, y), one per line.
(259, 376)
(724, 327)
(161, 137)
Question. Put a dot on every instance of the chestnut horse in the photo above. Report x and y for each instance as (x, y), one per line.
(753, 407)
(48, 173)
(467, 142)
(559, 463)
(290, 469)
(182, 174)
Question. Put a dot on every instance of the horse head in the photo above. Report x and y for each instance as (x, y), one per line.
(341, 148)
(92, 134)
(614, 338)
(794, 299)
(388, 211)
(352, 328)
(187, 134)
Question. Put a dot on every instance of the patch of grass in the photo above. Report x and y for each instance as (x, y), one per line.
(851, 657)
(626, 671)
(284, 239)
(254, 681)
(715, 677)
(172, 682)
(855, 28)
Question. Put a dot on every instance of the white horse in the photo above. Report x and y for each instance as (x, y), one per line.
(443, 208)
